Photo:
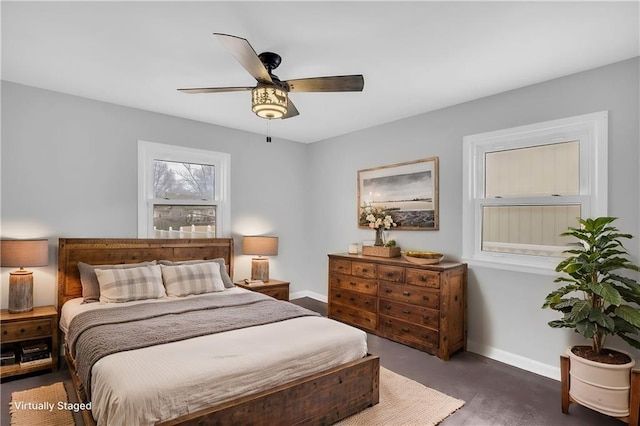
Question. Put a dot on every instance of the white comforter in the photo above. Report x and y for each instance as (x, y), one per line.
(163, 382)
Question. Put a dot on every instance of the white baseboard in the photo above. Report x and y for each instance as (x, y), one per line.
(307, 293)
(515, 360)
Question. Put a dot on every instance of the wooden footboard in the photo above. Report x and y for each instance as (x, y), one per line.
(320, 399)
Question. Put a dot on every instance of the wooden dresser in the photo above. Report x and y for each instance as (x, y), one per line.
(420, 306)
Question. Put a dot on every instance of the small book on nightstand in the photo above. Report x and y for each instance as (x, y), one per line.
(253, 282)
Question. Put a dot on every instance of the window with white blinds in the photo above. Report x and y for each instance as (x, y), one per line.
(524, 186)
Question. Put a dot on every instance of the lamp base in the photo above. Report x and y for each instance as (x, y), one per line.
(260, 269)
(20, 291)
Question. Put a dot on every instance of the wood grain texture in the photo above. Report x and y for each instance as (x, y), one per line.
(110, 251)
(422, 306)
(319, 399)
(41, 323)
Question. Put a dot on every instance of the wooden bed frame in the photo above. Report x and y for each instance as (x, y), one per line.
(320, 399)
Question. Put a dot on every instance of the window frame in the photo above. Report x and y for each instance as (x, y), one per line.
(150, 151)
(591, 130)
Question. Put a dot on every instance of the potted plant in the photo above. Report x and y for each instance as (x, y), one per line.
(596, 303)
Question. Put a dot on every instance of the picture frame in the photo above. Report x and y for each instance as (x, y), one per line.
(408, 191)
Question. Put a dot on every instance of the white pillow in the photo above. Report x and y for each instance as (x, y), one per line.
(181, 280)
(123, 285)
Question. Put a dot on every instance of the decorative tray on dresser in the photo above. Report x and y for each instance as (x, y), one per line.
(422, 306)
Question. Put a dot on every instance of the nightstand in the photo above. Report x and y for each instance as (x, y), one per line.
(274, 288)
(28, 329)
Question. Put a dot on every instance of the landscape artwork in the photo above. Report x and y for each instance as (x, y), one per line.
(407, 191)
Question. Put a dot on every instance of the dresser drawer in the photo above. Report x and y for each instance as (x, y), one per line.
(415, 314)
(21, 330)
(409, 332)
(410, 294)
(360, 285)
(391, 273)
(353, 299)
(364, 270)
(423, 278)
(353, 316)
(341, 266)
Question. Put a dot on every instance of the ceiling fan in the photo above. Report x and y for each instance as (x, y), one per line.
(270, 97)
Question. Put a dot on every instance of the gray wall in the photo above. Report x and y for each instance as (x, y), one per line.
(505, 319)
(69, 169)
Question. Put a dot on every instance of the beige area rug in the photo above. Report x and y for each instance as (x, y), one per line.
(404, 402)
(40, 407)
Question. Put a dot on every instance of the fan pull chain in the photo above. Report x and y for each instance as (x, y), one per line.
(269, 131)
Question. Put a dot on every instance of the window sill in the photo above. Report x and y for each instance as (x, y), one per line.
(510, 263)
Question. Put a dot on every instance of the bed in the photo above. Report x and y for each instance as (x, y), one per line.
(303, 369)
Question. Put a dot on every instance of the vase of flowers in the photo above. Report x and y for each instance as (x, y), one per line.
(379, 219)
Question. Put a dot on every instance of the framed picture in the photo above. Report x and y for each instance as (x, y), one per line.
(407, 191)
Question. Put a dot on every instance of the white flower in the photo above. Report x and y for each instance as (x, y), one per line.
(376, 217)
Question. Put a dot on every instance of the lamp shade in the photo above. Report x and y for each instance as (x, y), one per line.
(259, 245)
(20, 253)
(269, 102)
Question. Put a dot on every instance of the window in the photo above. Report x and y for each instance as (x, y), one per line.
(524, 186)
(182, 192)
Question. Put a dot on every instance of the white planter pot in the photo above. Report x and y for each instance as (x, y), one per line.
(601, 387)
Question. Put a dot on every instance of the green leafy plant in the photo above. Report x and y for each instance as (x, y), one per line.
(595, 300)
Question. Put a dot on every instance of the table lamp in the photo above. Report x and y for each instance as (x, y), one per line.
(21, 253)
(260, 246)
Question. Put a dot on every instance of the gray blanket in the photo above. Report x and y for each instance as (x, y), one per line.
(101, 332)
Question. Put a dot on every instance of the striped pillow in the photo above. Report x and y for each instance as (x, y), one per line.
(123, 285)
(182, 280)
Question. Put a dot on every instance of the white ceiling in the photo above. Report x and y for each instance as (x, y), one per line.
(415, 56)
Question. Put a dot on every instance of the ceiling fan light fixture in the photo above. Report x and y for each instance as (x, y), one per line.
(269, 102)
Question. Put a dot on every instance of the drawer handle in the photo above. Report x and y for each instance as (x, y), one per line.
(338, 295)
(388, 290)
(365, 270)
(351, 314)
(387, 324)
(39, 327)
(352, 299)
(352, 283)
(5, 332)
(406, 293)
(390, 274)
(22, 330)
(388, 308)
(368, 319)
(425, 336)
(406, 311)
(405, 329)
(425, 318)
(425, 297)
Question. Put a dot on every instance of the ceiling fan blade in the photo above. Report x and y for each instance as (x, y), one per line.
(248, 58)
(292, 111)
(342, 83)
(214, 89)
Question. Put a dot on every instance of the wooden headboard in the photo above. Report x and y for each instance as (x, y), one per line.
(111, 251)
